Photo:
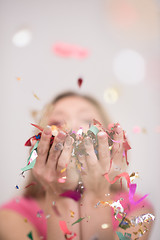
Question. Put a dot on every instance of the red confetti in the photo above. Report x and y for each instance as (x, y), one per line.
(80, 80)
(31, 184)
(124, 174)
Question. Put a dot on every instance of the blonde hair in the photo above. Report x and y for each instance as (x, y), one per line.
(36, 191)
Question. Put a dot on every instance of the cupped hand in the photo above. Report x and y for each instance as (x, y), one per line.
(95, 167)
(54, 168)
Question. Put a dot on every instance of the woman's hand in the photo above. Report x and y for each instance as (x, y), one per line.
(54, 163)
(94, 181)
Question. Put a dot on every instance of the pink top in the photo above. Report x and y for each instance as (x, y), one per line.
(29, 209)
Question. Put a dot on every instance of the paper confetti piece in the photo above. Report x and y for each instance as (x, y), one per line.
(79, 220)
(72, 213)
(124, 174)
(18, 79)
(29, 235)
(31, 184)
(75, 195)
(66, 232)
(35, 95)
(16, 187)
(70, 50)
(63, 170)
(125, 237)
(132, 190)
(80, 80)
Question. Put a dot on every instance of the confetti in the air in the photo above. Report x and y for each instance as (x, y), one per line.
(29, 235)
(80, 81)
(79, 220)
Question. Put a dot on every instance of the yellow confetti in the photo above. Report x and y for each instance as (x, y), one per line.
(63, 170)
(26, 220)
(71, 213)
(110, 147)
(36, 96)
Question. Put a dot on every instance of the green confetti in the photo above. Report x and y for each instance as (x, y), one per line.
(79, 220)
(31, 165)
(93, 129)
(127, 236)
(29, 235)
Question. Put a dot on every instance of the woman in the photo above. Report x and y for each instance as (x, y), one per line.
(41, 210)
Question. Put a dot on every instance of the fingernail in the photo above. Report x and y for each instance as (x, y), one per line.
(68, 140)
(47, 130)
(61, 135)
(87, 141)
(102, 134)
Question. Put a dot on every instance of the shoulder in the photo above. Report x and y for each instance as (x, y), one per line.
(13, 226)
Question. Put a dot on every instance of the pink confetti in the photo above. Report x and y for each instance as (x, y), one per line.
(75, 195)
(132, 190)
(69, 50)
(137, 129)
(65, 230)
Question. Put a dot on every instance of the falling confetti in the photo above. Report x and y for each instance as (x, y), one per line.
(29, 235)
(16, 187)
(70, 50)
(80, 81)
(31, 184)
(79, 220)
(36, 96)
(72, 213)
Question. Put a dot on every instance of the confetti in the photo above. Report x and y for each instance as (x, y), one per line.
(75, 195)
(132, 190)
(18, 79)
(72, 213)
(63, 170)
(36, 96)
(127, 236)
(124, 174)
(70, 50)
(29, 235)
(31, 184)
(80, 81)
(79, 220)
(16, 187)
(68, 235)
(62, 180)
(133, 176)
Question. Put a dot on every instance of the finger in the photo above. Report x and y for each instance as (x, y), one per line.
(55, 150)
(65, 156)
(43, 147)
(84, 167)
(103, 150)
(91, 157)
(117, 149)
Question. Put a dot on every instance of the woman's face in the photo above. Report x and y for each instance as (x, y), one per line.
(75, 111)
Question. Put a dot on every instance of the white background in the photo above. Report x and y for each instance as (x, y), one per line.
(87, 23)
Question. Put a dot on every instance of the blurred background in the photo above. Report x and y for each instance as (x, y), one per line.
(113, 45)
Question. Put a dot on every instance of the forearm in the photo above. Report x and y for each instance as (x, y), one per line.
(64, 206)
(97, 217)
